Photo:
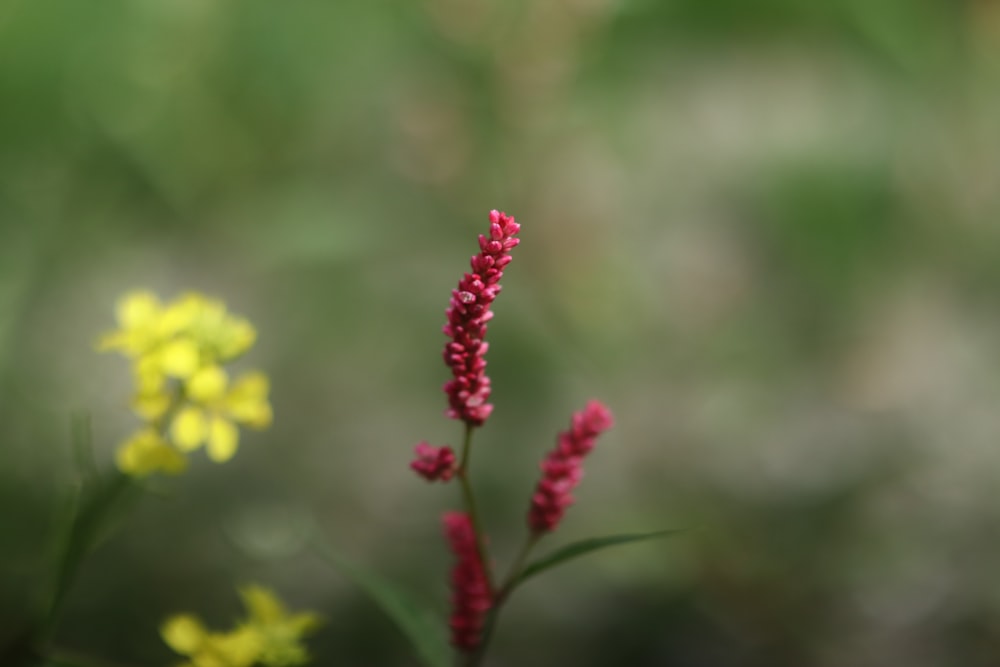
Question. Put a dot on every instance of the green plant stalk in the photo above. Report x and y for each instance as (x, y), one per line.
(509, 583)
(86, 524)
(470, 505)
(83, 535)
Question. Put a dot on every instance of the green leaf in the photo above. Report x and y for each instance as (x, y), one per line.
(582, 547)
(424, 630)
(83, 449)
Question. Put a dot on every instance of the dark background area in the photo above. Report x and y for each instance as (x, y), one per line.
(764, 233)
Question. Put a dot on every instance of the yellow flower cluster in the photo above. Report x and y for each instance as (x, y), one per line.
(270, 636)
(183, 393)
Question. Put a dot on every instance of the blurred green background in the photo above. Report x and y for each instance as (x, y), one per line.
(765, 233)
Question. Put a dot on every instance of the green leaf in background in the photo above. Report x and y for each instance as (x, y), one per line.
(83, 450)
(421, 627)
(582, 547)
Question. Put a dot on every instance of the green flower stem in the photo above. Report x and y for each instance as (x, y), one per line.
(87, 524)
(470, 505)
(506, 589)
(91, 506)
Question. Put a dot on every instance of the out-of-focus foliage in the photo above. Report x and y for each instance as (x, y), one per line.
(764, 233)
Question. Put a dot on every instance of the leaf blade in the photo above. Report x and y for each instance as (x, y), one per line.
(424, 631)
(586, 546)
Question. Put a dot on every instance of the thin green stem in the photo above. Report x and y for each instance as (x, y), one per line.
(87, 525)
(92, 505)
(509, 583)
(470, 505)
(515, 569)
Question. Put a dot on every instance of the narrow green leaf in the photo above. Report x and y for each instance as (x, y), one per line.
(421, 627)
(582, 547)
(83, 449)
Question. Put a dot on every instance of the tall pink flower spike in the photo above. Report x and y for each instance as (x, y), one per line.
(468, 312)
(562, 469)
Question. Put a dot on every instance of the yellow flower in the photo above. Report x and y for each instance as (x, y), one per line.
(186, 635)
(176, 350)
(146, 452)
(279, 631)
(270, 636)
(215, 408)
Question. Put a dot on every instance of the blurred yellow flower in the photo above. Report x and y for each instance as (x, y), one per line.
(176, 350)
(279, 631)
(270, 636)
(186, 635)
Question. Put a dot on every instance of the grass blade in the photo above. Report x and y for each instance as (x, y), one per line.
(582, 547)
(420, 626)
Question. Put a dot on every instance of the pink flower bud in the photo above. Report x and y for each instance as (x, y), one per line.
(434, 463)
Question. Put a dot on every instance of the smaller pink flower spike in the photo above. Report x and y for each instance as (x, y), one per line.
(562, 469)
(434, 463)
(471, 597)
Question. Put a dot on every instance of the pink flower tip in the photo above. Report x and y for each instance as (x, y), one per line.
(468, 313)
(434, 463)
(595, 417)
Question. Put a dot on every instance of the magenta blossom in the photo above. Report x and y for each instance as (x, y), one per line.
(468, 312)
(434, 463)
(562, 469)
(471, 597)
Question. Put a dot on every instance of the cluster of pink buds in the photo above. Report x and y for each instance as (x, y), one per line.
(562, 469)
(468, 312)
(434, 463)
(471, 596)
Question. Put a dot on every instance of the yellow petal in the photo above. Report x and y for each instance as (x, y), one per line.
(137, 309)
(146, 452)
(180, 314)
(222, 439)
(207, 385)
(235, 336)
(150, 406)
(263, 605)
(189, 428)
(183, 633)
(247, 401)
(179, 358)
(149, 377)
(304, 623)
(240, 647)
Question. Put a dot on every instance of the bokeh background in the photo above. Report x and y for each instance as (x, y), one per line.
(764, 233)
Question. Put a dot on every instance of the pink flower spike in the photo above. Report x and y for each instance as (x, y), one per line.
(562, 468)
(468, 312)
(471, 597)
(434, 463)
